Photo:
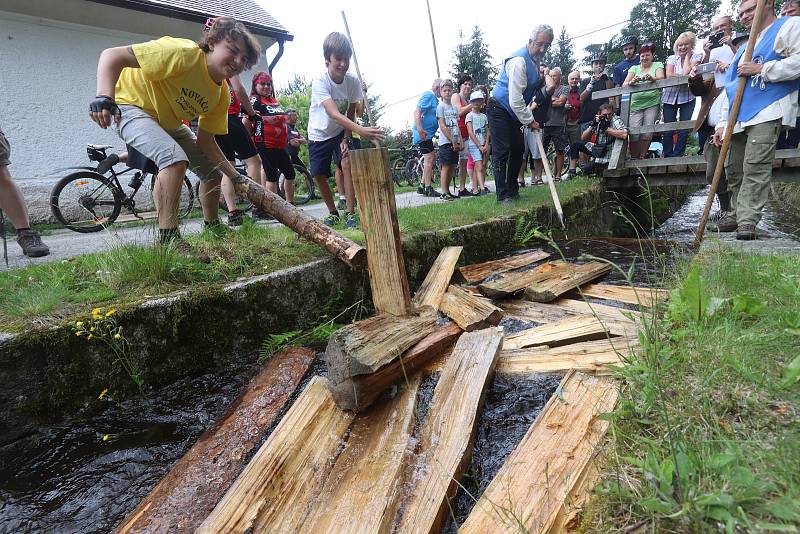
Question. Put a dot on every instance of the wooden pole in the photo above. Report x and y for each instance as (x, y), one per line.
(433, 38)
(360, 79)
(550, 182)
(732, 118)
(308, 227)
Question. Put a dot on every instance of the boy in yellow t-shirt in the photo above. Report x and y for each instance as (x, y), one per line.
(147, 89)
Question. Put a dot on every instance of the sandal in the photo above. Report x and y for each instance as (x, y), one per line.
(538, 182)
(521, 184)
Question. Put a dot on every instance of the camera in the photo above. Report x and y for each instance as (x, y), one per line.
(715, 38)
(603, 123)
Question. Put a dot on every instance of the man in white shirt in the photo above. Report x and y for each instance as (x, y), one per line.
(769, 104)
(508, 110)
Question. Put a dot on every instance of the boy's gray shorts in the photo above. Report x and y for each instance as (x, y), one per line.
(5, 150)
(164, 147)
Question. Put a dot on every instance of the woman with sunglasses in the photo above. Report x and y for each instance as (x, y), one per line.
(271, 136)
(645, 105)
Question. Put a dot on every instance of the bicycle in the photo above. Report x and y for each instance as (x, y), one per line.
(409, 166)
(88, 201)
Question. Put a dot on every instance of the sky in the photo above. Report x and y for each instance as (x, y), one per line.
(392, 40)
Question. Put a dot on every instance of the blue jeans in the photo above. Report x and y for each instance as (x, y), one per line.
(673, 112)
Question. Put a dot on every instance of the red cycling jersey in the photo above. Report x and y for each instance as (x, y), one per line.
(235, 107)
(270, 129)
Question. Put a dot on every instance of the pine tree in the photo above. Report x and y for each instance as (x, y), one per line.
(561, 54)
(472, 57)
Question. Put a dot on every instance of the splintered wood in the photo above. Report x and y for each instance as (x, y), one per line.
(478, 272)
(644, 296)
(570, 330)
(589, 356)
(619, 321)
(470, 312)
(545, 282)
(446, 437)
(435, 284)
(534, 485)
(281, 481)
(375, 191)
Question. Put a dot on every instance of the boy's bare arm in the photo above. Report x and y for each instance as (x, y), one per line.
(368, 132)
(208, 145)
(471, 132)
(103, 109)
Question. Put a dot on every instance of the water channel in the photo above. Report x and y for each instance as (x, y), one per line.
(86, 474)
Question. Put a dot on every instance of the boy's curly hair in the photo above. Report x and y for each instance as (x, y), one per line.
(227, 27)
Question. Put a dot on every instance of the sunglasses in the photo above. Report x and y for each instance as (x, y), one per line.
(268, 84)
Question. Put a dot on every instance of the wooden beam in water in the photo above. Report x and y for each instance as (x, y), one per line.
(276, 488)
(558, 277)
(588, 356)
(470, 312)
(534, 485)
(375, 191)
(477, 272)
(445, 442)
(434, 286)
(191, 489)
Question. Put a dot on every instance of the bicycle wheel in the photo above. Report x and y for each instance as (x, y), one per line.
(410, 172)
(85, 201)
(398, 170)
(304, 188)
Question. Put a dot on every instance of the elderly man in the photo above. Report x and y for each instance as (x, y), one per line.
(508, 109)
(555, 128)
(769, 104)
(425, 126)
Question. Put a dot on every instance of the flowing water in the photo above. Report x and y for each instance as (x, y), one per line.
(86, 474)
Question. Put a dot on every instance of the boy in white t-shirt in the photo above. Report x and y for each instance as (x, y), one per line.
(331, 119)
(450, 142)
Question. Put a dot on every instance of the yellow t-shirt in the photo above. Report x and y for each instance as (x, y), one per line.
(173, 84)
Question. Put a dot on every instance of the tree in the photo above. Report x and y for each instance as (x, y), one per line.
(298, 84)
(473, 58)
(663, 21)
(561, 55)
(375, 105)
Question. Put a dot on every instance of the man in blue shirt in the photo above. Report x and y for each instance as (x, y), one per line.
(630, 49)
(425, 126)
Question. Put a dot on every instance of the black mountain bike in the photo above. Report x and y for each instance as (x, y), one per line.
(88, 201)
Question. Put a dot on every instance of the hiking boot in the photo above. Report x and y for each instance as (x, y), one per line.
(351, 221)
(727, 223)
(31, 243)
(331, 220)
(447, 197)
(463, 193)
(429, 192)
(261, 215)
(746, 232)
(342, 205)
(236, 218)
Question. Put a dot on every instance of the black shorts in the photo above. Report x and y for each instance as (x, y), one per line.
(276, 161)
(448, 156)
(426, 146)
(320, 154)
(237, 143)
(556, 134)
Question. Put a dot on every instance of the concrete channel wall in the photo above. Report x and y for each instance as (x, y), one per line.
(49, 373)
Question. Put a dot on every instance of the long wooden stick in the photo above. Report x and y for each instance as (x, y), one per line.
(550, 182)
(433, 38)
(732, 118)
(360, 79)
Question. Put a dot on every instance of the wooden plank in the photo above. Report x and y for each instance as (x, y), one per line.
(375, 191)
(529, 491)
(274, 491)
(445, 442)
(434, 286)
(648, 86)
(191, 489)
(676, 169)
(663, 127)
(644, 296)
(469, 311)
(662, 162)
(569, 330)
(477, 272)
(364, 482)
(588, 356)
(791, 154)
(364, 347)
(562, 277)
(618, 152)
(365, 389)
(507, 284)
(617, 320)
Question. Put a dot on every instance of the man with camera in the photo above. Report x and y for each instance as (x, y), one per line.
(606, 128)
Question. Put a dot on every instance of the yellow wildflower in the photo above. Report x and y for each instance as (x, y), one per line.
(110, 312)
(79, 324)
(117, 336)
(97, 312)
(106, 437)
(90, 336)
(102, 393)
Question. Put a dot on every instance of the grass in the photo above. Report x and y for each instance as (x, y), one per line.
(39, 294)
(706, 437)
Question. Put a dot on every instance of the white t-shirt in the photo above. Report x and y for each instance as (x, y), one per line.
(479, 122)
(320, 125)
(723, 54)
(447, 112)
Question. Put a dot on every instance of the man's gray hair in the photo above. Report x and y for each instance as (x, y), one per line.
(542, 28)
(437, 82)
(556, 69)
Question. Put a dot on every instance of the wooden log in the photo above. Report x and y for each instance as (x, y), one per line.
(191, 489)
(529, 491)
(477, 272)
(375, 191)
(640, 296)
(364, 482)
(589, 356)
(434, 286)
(568, 518)
(618, 321)
(565, 331)
(507, 284)
(308, 227)
(276, 488)
(469, 311)
(362, 390)
(558, 277)
(447, 434)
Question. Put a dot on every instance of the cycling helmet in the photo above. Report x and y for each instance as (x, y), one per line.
(601, 57)
(628, 41)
